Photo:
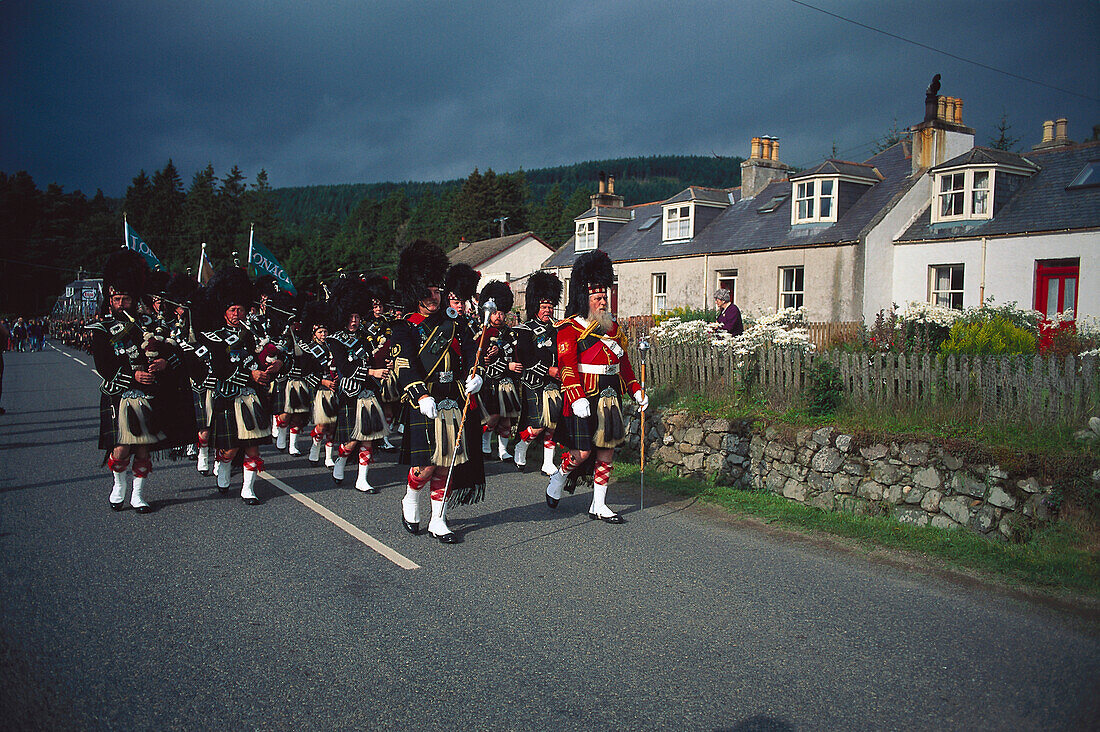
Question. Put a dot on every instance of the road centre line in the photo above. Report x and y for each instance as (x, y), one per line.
(390, 554)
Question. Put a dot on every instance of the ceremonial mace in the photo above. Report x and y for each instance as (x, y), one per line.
(489, 307)
(643, 349)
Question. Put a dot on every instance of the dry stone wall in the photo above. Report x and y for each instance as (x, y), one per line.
(916, 482)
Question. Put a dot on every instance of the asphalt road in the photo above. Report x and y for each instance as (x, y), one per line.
(210, 614)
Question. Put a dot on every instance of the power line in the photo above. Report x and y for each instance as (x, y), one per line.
(945, 53)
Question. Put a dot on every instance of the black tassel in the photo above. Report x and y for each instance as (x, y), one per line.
(147, 418)
(364, 417)
(377, 421)
(246, 417)
(258, 413)
(297, 401)
(134, 422)
(605, 419)
(615, 428)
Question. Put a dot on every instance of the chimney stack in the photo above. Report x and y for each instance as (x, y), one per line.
(942, 135)
(762, 167)
(1055, 134)
(606, 196)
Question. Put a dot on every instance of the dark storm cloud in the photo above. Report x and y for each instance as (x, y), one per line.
(369, 91)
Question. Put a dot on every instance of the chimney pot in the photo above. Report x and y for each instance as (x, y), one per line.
(958, 111)
(1060, 129)
(775, 148)
(949, 110)
(1048, 131)
(611, 184)
(766, 148)
(941, 107)
(755, 150)
(603, 183)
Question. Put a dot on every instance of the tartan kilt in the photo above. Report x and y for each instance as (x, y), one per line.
(202, 415)
(576, 433)
(108, 425)
(223, 427)
(345, 417)
(276, 391)
(468, 479)
(531, 416)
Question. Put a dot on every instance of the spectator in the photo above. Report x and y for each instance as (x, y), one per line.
(19, 335)
(729, 316)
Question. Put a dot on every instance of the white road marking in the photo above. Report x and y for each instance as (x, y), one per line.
(390, 554)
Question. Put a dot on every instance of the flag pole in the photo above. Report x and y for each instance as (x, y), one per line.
(125, 234)
(202, 257)
(251, 229)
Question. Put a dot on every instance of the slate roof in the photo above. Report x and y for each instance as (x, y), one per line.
(1042, 203)
(605, 212)
(987, 156)
(742, 228)
(698, 193)
(842, 167)
(482, 251)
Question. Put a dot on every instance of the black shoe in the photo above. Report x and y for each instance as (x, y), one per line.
(612, 519)
(118, 506)
(338, 481)
(206, 473)
(551, 501)
(448, 538)
(223, 491)
(252, 501)
(372, 490)
(410, 527)
(143, 509)
(521, 468)
(315, 462)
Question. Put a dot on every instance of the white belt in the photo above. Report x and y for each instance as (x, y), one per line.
(610, 369)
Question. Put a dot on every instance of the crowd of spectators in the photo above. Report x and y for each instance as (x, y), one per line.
(24, 334)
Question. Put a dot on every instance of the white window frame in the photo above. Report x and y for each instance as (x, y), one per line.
(790, 294)
(726, 278)
(968, 199)
(950, 297)
(585, 235)
(677, 226)
(809, 198)
(659, 302)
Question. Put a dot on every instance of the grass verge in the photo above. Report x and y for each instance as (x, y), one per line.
(1056, 559)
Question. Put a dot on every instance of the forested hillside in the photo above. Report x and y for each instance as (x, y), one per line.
(316, 230)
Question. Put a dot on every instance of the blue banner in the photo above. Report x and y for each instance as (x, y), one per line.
(263, 262)
(135, 242)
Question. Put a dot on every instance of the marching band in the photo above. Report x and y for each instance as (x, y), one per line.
(219, 371)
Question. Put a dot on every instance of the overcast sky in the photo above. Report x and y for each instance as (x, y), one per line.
(364, 90)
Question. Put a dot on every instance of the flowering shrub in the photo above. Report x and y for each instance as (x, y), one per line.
(785, 328)
(685, 314)
(998, 335)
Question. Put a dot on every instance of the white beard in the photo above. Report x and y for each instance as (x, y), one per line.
(603, 319)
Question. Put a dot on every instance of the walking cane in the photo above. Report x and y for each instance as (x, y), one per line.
(643, 349)
(489, 307)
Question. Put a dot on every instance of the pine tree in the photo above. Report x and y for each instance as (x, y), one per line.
(231, 228)
(1003, 141)
(138, 198)
(162, 231)
(200, 212)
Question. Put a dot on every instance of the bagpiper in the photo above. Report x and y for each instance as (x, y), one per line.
(435, 360)
(359, 416)
(500, 399)
(461, 287)
(542, 400)
(238, 419)
(132, 364)
(289, 394)
(595, 374)
(319, 373)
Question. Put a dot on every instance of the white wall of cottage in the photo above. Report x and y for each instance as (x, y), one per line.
(1010, 265)
(878, 266)
(519, 260)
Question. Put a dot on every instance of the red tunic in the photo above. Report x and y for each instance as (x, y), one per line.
(578, 343)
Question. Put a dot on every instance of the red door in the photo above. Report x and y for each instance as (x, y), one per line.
(1056, 286)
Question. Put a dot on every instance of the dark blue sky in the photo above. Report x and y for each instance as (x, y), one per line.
(364, 91)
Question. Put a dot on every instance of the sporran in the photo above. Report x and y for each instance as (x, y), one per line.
(443, 435)
(370, 422)
(324, 406)
(609, 422)
(136, 425)
(251, 419)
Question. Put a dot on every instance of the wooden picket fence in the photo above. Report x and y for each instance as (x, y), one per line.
(1010, 388)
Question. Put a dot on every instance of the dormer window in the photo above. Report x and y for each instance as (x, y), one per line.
(677, 223)
(963, 195)
(586, 236)
(814, 201)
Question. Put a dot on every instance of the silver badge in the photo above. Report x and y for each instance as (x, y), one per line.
(452, 313)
